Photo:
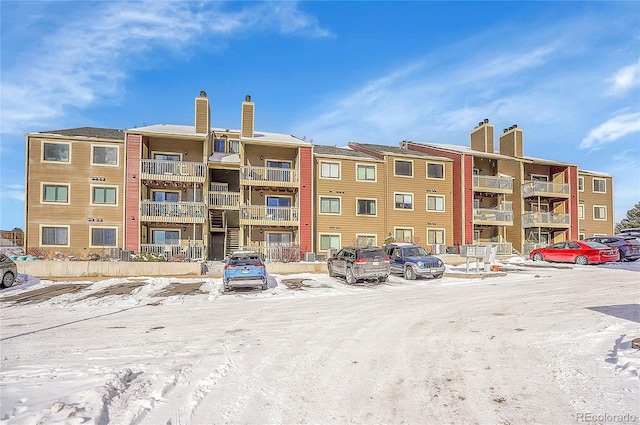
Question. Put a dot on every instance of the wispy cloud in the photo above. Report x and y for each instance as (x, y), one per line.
(625, 79)
(78, 65)
(13, 192)
(612, 130)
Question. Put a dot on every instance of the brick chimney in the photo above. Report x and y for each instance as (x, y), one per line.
(246, 124)
(482, 137)
(511, 141)
(203, 113)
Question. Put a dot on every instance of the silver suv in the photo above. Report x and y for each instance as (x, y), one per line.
(9, 271)
(359, 264)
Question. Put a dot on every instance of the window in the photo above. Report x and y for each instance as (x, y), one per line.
(435, 203)
(329, 205)
(435, 171)
(55, 193)
(103, 236)
(404, 168)
(329, 241)
(330, 170)
(403, 235)
(104, 195)
(435, 236)
(581, 236)
(581, 184)
(105, 155)
(599, 185)
(404, 201)
(364, 241)
(278, 239)
(599, 213)
(581, 211)
(218, 145)
(55, 235)
(234, 146)
(366, 207)
(366, 173)
(165, 237)
(167, 156)
(166, 196)
(56, 152)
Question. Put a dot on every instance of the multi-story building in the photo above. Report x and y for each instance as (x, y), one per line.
(178, 190)
(199, 192)
(517, 201)
(367, 193)
(74, 190)
(595, 204)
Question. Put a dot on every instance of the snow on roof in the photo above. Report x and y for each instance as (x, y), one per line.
(594, 173)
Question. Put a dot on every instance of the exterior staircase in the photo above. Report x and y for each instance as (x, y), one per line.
(233, 240)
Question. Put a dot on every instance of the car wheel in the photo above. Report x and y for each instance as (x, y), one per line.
(438, 276)
(8, 280)
(331, 273)
(383, 279)
(265, 286)
(409, 274)
(582, 260)
(538, 257)
(351, 279)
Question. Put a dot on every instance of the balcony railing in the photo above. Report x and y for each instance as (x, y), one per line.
(281, 252)
(494, 184)
(545, 219)
(283, 177)
(224, 200)
(262, 215)
(545, 189)
(173, 212)
(178, 171)
(182, 249)
(492, 216)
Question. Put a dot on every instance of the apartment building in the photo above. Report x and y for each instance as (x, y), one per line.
(349, 197)
(183, 191)
(595, 204)
(74, 191)
(367, 193)
(516, 201)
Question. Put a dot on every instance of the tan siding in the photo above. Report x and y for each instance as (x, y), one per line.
(253, 152)
(202, 112)
(589, 226)
(246, 124)
(78, 174)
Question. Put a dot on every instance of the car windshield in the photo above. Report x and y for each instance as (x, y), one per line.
(593, 244)
(414, 251)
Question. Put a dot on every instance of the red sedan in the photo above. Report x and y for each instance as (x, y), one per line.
(579, 252)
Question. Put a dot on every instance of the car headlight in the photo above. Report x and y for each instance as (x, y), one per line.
(440, 263)
(420, 264)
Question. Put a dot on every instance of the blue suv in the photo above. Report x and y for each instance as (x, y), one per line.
(412, 261)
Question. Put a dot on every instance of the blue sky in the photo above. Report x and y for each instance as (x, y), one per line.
(568, 73)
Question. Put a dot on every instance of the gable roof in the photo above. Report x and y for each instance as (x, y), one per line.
(89, 132)
(393, 150)
(342, 151)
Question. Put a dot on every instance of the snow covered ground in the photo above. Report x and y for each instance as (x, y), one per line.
(543, 345)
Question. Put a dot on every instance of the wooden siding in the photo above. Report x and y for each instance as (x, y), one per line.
(305, 200)
(133, 186)
(347, 223)
(79, 214)
(203, 114)
(246, 124)
(589, 226)
(482, 138)
(511, 143)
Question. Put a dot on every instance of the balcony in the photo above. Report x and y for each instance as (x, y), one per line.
(493, 184)
(268, 176)
(224, 200)
(545, 219)
(545, 189)
(262, 215)
(173, 212)
(180, 250)
(174, 171)
(492, 217)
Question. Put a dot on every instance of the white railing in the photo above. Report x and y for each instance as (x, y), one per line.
(264, 213)
(492, 215)
(173, 211)
(181, 249)
(493, 183)
(224, 200)
(545, 219)
(269, 174)
(282, 252)
(543, 188)
(172, 170)
(219, 187)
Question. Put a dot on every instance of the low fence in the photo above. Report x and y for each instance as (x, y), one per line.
(48, 269)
